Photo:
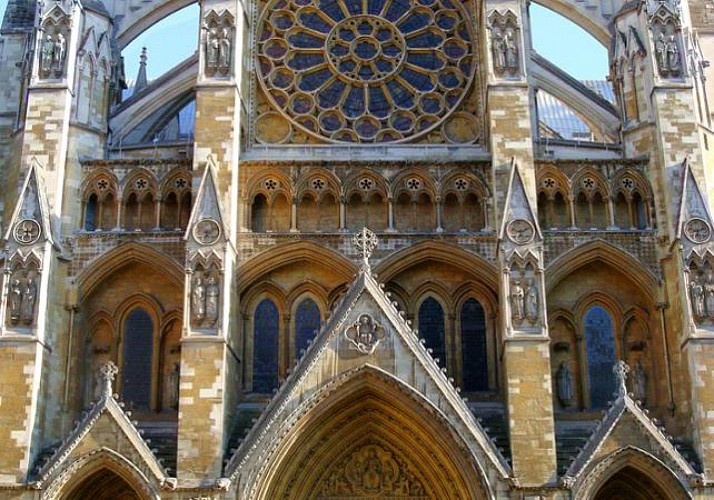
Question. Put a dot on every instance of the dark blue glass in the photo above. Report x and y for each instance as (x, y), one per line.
(265, 347)
(136, 359)
(307, 324)
(473, 346)
(90, 214)
(431, 328)
(600, 351)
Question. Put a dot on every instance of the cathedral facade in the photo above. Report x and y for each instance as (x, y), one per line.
(340, 253)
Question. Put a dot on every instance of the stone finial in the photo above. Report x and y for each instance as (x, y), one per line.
(107, 373)
(620, 369)
(365, 242)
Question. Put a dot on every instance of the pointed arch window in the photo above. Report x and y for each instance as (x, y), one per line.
(473, 346)
(266, 324)
(137, 359)
(307, 324)
(600, 355)
(90, 213)
(431, 327)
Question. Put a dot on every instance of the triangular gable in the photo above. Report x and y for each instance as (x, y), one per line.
(32, 205)
(626, 425)
(207, 204)
(338, 352)
(692, 205)
(105, 428)
(518, 206)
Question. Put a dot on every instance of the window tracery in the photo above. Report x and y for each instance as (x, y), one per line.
(365, 72)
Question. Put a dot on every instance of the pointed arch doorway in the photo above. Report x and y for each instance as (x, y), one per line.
(372, 438)
(103, 484)
(629, 483)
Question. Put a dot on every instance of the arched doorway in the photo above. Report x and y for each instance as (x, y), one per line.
(630, 484)
(371, 439)
(103, 484)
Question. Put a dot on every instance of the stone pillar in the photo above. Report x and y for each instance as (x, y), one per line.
(206, 393)
(526, 352)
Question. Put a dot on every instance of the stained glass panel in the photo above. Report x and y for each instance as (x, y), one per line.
(137, 358)
(473, 346)
(265, 347)
(431, 328)
(600, 349)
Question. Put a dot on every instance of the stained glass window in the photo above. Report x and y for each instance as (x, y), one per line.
(307, 324)
(90, 214)
(265, 347)
(431, 328)
(600, 349)
(473, 346)
(136, 359)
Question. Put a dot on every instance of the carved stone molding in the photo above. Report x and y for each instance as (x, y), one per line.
(365, 334)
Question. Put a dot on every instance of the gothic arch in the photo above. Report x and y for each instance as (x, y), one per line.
(291, 253)
(584, 19)
(639, 468)
(366, 408)
(67, 481)
(470, 263)
(601, 251)
(103, 267)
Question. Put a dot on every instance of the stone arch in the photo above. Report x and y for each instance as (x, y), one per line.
(601, 251)
(634, 469)
(594, 25)
(103, 267)
(291, 253)
(362, 408)
(123, 476)
(456, 256)
(140, 19)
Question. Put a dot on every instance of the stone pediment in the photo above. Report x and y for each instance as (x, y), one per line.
(365, 338)
(694, 222)
(31, 223)
(626, 427)
(206, 225)
(519, 226)
(105, 433)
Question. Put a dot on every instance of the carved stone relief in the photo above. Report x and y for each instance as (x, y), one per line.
(27, 231)
(524, 295)
(666, 36)
(504, 43)
(520, 231)
(365, 334)
(206, 231)
(22, 295)
(564, 386)
(205, 297)
(697, 230)
(218, 44)
(54, 37)
(371, 471)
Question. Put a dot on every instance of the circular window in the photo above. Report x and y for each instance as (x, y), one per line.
(363, 71)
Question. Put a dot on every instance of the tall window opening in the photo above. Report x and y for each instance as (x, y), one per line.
(137, 359)
(600, 354)
(265, 347)
(473, 346)
(307, 324)
(431, 328)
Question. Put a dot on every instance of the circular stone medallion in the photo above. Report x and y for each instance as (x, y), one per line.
(697, 230)
(207, 231)
(27, 231)
(520, 231)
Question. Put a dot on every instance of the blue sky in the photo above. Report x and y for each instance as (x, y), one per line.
(176, 37)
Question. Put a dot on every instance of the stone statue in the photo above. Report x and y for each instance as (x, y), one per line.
(661, 52)
(672, 55)
(709, 298)
(511, 49)
(29, 296)
(365, 334)
(224, 50)
(639, 383)
(532, 301)
(564, 385)
(212, 294)
(58, 53)
(697, 292)
(198, 300)
(173, 386)
(517, 300)
(47, 53)
(212, 49)
(498, 49)
(15, 300)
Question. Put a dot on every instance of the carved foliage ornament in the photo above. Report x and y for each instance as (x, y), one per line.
(520, 231)
(365, 334)
(207, 231)
(365, 72)
(697, 230)
(27, 231)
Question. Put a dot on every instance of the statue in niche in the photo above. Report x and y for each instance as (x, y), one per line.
(58, 53)
(224, 50)
(667, 53)
(198, 300)
(639, 383)
(212, 293)
(15, 300)
(498, 49)
(47, 53)
(212, 48)
(173, 386)
(709, 296)
(661, 52)
(564, 385)
(29, 296)
(697, 297)
(517, 300)
(511, 50)
(672, 55)
(532, 301)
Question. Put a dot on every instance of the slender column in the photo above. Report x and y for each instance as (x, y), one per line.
(343, 222)
(293, 216)
(439, 229)
(390, 214)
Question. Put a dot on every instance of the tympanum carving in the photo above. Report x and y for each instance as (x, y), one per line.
(365, 334)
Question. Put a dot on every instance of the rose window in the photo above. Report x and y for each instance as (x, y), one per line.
(365, 70)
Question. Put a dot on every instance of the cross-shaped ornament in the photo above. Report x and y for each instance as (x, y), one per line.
(620, 369)
(107, 372)
(365, 241)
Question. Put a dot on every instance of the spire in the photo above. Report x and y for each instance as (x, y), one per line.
(141, 80)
